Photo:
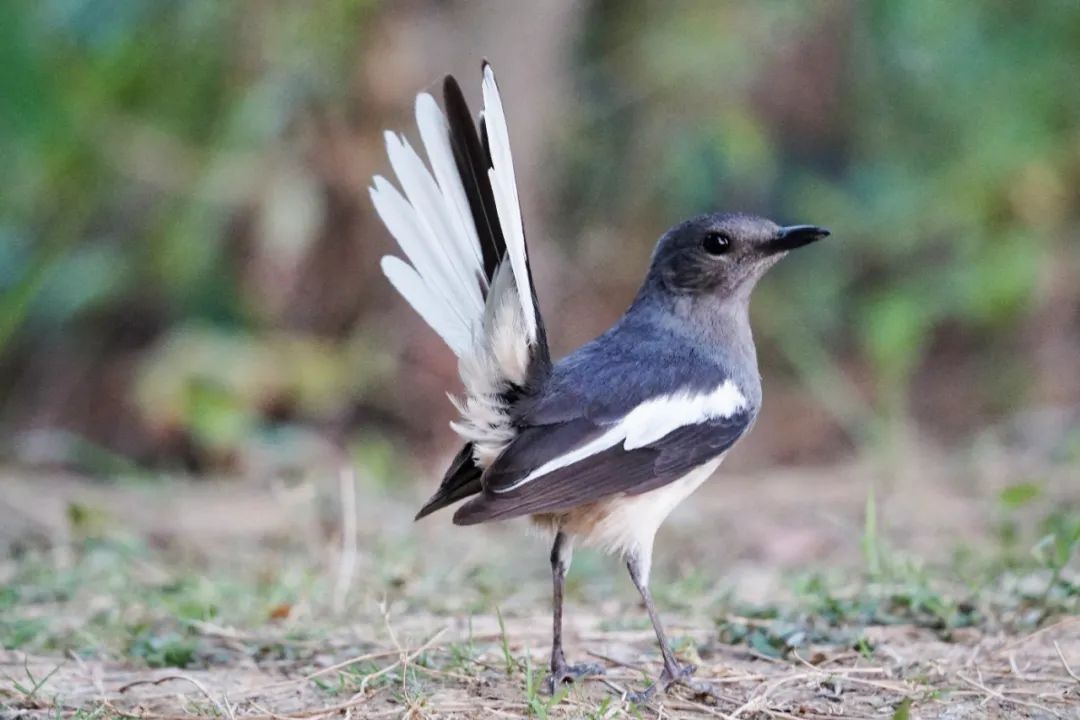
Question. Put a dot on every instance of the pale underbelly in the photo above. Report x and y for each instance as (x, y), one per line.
(626, 524)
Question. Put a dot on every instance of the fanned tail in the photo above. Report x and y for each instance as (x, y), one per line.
(468, 275)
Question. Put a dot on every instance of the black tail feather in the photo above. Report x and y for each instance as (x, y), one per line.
(472, 164)
(461, 480)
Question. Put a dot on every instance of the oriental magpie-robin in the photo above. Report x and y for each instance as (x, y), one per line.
(600, 446)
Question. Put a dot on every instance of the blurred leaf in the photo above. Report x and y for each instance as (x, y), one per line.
(894, 328)
(281, 611)
(1019, 495)
(86, 520)
(999, 280)
(165, 650)
(215, 415)
(15, 301)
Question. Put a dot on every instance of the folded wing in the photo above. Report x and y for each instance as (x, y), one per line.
(552, 467)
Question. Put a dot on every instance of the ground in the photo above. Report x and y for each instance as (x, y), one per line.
(949, 591)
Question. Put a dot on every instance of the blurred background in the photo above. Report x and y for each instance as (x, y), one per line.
(188, 257)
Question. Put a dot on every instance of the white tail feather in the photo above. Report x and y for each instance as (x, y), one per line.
(434, 312)
(403, 222)
(446, 282)
(506, 197)
(434, 216)
(435, 133)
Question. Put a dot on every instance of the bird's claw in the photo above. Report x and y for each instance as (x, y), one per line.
(680, 675)
(563, 674)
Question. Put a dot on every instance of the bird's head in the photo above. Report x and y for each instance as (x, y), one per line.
(724, 254)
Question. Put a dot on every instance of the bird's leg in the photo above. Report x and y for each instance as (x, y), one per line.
(673, 671)
(562, 673)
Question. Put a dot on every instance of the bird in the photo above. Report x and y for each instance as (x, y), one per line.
(598, 447)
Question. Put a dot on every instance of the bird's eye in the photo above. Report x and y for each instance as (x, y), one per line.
(716, 243)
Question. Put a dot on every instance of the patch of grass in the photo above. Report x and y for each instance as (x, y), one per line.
(30, 685)
(97, 712)
(504, 644)
(540, 706)
(19, 632)
(1056, 550)
(118, 598)
(463, 654)
(167, 649)
(899, 590)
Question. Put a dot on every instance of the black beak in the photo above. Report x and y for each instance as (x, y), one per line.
(795, 236)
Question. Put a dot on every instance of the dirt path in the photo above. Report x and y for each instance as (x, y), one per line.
(433, 621)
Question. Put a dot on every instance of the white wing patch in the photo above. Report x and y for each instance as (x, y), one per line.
(653, 419)
(649, 422)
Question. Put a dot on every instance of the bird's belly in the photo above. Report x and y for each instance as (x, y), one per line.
(625, 524)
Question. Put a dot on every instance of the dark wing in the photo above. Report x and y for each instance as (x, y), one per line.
(631, 411)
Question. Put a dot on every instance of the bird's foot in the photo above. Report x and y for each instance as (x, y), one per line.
(563, 674)
(677, 675)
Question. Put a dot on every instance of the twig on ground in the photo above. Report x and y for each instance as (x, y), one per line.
(225, 708)
(1004, 698)
(347, 561)
(1041, 631)
(405, 658)
(1065, 663)
(716, 712)
(613, 661)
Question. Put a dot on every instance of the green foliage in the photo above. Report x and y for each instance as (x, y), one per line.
(128, 606)
(163, 650)
(504, 644)
(135, 129)
(995, 587)
(539, 705)
(1056, 550)
(18, 632)
(30, 687)
(1017, 496)
(936, 140)
(830, 613)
